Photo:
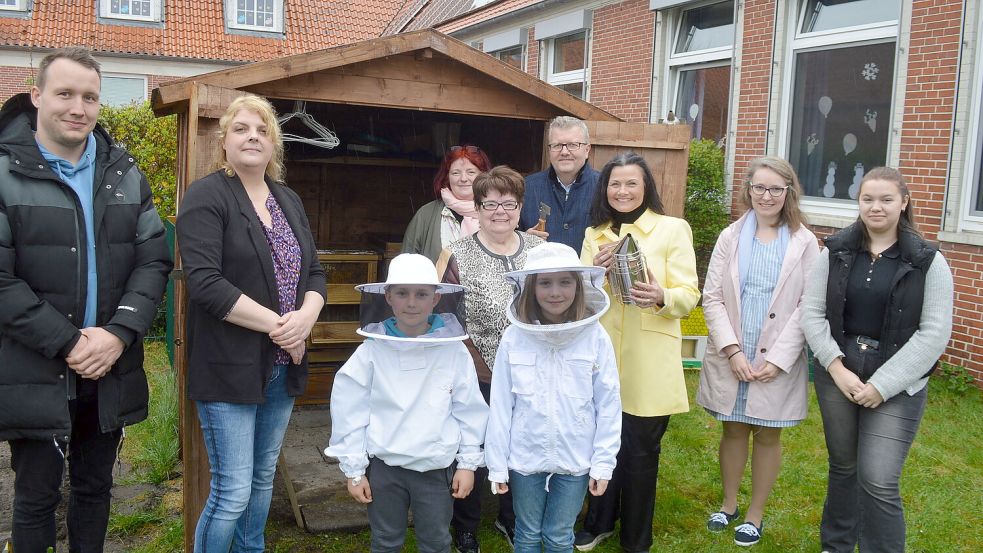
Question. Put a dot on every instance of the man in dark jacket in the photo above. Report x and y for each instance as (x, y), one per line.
(567, 186)
(83, 265)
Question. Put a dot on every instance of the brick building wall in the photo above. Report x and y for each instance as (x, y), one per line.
(930, 89)
(621, 61)
(532, 54)
(930, 92)
(14, 80)
(752, 84)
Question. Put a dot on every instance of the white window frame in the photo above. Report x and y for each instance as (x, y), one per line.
(690, 61)
(20, 6)
(567, 77)
(155, 11)
(134, 76)
(278, 17)
(523, 55)
(970, 219)
(858, 35)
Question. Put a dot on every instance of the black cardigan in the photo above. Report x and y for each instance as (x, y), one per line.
(225, 253)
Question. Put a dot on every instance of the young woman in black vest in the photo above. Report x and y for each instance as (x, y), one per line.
(878, 316)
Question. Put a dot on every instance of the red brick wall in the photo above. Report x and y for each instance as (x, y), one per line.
(621, 63)
(925, 142)
(14, 80)
(532, 54)
(930, 92)
(153, 81)
(753, 87)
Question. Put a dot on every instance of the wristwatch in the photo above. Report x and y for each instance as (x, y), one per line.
(357, 480)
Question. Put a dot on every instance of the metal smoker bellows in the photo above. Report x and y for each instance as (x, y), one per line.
(627, 268)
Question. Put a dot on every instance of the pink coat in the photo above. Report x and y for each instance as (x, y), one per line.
(781, 343)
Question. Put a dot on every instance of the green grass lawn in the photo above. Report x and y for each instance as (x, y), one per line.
(942, 484)
(942, 488)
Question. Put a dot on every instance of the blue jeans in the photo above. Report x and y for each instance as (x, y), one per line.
(546, 517)
(243, 443)
(867, 450)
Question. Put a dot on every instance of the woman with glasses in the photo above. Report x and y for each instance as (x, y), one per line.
(452, 215)
(878, 315)
(647, 342)
(479, 263)
(755, 370)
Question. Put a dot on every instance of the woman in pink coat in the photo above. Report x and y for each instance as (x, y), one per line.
(755, 372)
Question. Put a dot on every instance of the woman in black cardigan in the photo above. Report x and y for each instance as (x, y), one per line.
(256, 289)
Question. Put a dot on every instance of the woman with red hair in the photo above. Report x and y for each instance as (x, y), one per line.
(453, 214)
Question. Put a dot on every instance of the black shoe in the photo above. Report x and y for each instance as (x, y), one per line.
(466, 542)
(748, 534)
(720, 520)
(507, 531)
(585, 541)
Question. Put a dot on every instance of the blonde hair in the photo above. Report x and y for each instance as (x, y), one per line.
(791, 215)
(528, 309)
(262, 107)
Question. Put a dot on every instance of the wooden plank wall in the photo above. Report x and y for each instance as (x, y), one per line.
(664, 147)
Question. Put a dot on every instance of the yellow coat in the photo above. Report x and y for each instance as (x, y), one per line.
(647, 342)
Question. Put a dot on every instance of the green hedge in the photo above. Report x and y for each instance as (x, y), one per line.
(706, 199)
(153, 142)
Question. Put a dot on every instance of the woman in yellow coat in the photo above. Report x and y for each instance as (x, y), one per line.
(647, 341)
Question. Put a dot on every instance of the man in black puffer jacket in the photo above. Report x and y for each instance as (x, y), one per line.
(83, 265)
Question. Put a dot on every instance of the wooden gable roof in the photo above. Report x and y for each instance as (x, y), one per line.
(423, 70)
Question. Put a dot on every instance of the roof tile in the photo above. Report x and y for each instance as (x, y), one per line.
(197, 29)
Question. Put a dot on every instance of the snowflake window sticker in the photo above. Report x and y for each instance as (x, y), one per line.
(870, 71)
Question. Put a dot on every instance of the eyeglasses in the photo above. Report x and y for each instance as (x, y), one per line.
(570, 146)
(493, 206)
(468, 149)
(773, 191)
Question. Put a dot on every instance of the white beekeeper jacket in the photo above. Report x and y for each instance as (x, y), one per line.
(555, 396)
(412, 404)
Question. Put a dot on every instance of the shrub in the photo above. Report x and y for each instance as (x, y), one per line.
(706, 199)
(956, 379)
(153, 142)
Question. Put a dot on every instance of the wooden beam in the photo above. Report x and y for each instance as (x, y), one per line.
(298, 64)
(389, 93)
(504, 72)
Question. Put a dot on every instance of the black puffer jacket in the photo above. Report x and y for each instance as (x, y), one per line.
(43, 280)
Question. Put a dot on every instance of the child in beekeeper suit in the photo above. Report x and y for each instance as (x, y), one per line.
(407, 419)
(555, 426)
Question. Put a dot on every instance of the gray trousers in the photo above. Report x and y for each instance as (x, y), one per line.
(867, 450)
(394, 491)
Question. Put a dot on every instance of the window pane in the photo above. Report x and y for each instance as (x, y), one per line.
(979, 177)
(511, 56)
(824, 15)
(840, 116)
(707, 27)
(576, 89)
(568, 52)
(118, 91)
(703, 101)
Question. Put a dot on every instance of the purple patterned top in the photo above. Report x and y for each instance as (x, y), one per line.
(286, 264)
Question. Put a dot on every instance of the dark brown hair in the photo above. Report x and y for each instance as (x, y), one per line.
(528, 310)
(502, 179)
(907, 221)
(77, 54)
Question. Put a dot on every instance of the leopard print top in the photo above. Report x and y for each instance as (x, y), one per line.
(482, 273)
